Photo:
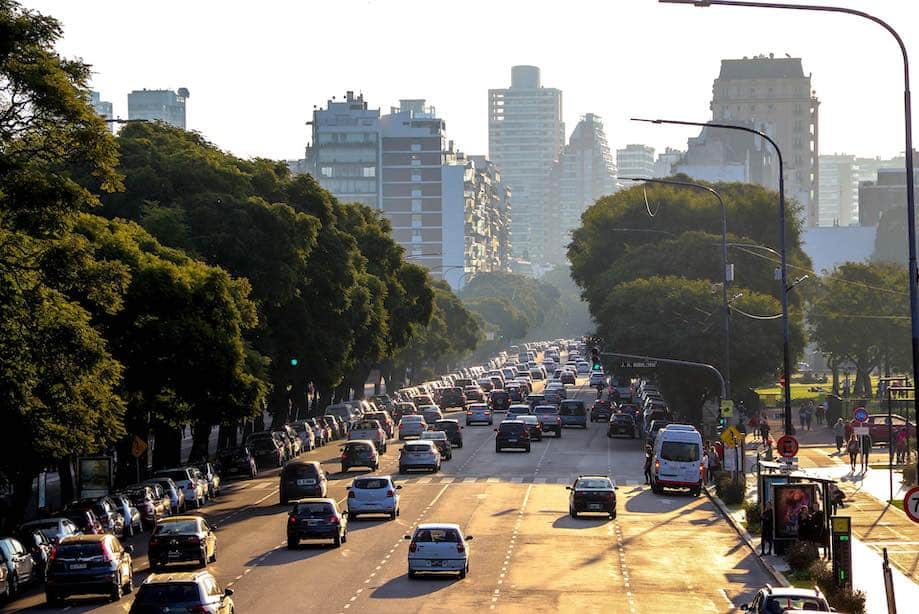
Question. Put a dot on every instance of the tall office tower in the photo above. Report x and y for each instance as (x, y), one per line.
(163, 105)
(838, 205)
(103, 108)
(663, 166)
(775, 94)
(525, 136)
(634, 161)
(584, 173)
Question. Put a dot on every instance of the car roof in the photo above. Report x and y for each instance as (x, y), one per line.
(438, 525)
(363, 442)
(442, 420)
(420, 442)
(791, 591)
(364, 478)
(85, 539)
(179, 576)
(301, 463)
(314, 500)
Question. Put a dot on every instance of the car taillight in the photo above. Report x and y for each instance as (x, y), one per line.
(193, 539)
(610, 496)
(292, 520)
(107, 553)
(390, 493)
(344, 456)
(198, 609)
(657, 465)
(334, 520)
(468, 413)
(701, 470)
(154, 541)
(412, 547)
(53, 554)
(351, 494)
(460, 548)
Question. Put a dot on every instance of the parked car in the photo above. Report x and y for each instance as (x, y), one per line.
(359, 453)
(287, 443)
(133, 521)
(316, 518)
(335, 425)
(441, 441)
(879, 429)
(512, 434)
(601, 411)
(21, 568)
(211, 477)
(302, 479)
(266, 450)
(87, 565)
(176, 494)
(180, 539)
(321, 432)
(452, 428)
(438, 548)
(86, 521)
(55, 529)
(419, 455)
(237, 461)
(305, 432)
(592, 493)
(106, 512)
(152, 506)
(38, 546)
(5, 584)
(182, 592)
(375, 494)
(184, 478)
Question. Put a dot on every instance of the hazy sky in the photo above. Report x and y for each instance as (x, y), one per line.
(256, 69)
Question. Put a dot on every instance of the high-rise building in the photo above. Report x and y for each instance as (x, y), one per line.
(525, 136)
(729, 155)
(838, 204)
(886, 191)
(103, 108)
(663, 166)
(159, 105)
(775, 93)
(635, 161)
(584, 173)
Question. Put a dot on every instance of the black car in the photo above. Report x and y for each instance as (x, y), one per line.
(499, 400)
(316, 519)
(89, 565)
(359, 453)
(515, 391)
(452, 397)
(453, 430)
(180, 539)
(21, 568)
(512, 434)
(266, 450)
(237, 461)
(182, 592)
(622, 424)
(106, 511)
(592, 493)
(38, 545)
(601, 410)
(84, 519)
(302, 479)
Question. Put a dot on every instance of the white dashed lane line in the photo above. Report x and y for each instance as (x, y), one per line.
(510, 548)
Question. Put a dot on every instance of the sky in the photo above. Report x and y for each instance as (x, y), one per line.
(255, 70)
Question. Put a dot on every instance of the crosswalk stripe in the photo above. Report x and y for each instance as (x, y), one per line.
(492, 480)
(517, 480)
(263, 485)
(539, 480)
(446, 480)
(424, 481)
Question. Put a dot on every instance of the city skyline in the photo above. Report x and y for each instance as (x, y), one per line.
(849, 78)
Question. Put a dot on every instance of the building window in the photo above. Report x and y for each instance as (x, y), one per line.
(416, 177)
(370, 171)
(326, 171)
(416, 146)
(416, 221)
(416, 250)
(416, 193)
(416, 236)
(416, 204)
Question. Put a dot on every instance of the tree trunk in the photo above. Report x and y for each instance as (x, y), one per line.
(325, 399)
(227, 436)
(201, 439)
(167, 451)
(22, 496)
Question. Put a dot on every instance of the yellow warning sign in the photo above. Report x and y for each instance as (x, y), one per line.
(731, 436)
(727, 408)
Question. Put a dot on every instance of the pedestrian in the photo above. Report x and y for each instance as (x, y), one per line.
(809, 414)
(817, 526)
(866, 451)
(764, 431)
(767, 526)
(649, 456)
(820, 414)
(704, 465)
(900, 445)
(714, 462)
(852, 449)
(754, 426)
(837, 498)
(839, 430)
(802, 415)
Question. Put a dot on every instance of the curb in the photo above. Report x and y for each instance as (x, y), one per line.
(745, 535)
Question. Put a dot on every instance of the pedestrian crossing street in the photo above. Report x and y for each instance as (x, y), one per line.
(436, 479)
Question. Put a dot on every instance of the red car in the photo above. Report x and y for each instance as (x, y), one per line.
(879, 429)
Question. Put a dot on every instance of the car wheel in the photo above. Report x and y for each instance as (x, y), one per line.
(401, 469)
(214, 555)
(572, 512)
(613, 515)
(338, 540)
(344, 468)
(462, 574)
(497, 449)
(528, 448)
(117, 591)
(202, 561)
(129, 531)
(12, 586)
(283, 500)
(412, 574)
(344, 537)
(293, 543)
(459, 445)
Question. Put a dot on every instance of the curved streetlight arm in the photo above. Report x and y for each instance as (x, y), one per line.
(674, 361)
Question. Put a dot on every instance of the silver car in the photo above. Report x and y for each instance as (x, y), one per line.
(438, 548)
(478, 412)
(422, 454)
(412, 426)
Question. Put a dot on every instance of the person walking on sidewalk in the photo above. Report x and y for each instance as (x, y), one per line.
(839, 430)
(767, 525)
(649, 454)
(900, 446)
(809, 414)
(866, 451)
(852, 449)
(764, 431)
(802, 415)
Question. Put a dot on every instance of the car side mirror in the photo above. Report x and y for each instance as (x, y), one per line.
(398, 486)
(214, 526)
(406, 537)
(496, 430)
(745, 606)
(567, 488)
(228, 592)
(469, 538)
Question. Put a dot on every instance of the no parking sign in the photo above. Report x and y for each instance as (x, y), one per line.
(860, 414)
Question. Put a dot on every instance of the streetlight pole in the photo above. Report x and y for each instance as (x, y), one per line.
(786, 355)
(724, 267)
(908, 130)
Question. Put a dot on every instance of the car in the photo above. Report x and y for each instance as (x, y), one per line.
(293, 437)
(430, 413)
(185, 478)
(386, 422)
(514, 391)
(452, 428)
(583, 367)
(21, 568)
(412, 426)
(517, 410)
(677, 460)
(176, 495)
(383, 401)
(592, 493)
(422, 399)
(654, 427)
(133, 521)
(486, 385)
(5, 584)
(535, 399)
(403, 409)
(441, 441)
(549, 419)
(345, 412)
(369, 430)
(336, 425)
(180, 539)
(289, 444)
(265, 449)
(151, 506)
(419, 454)
(359, 453)
(438, 548)
(622, 424)
(601, 410)
(478, 412)
(196, 591)
(474, 393)
(453, 397)
(305, 433)
(780, 599)
(38, 546)
(537, 374)
(512, 434)
(573, 413)
(302, 479)
(375, 494)
(86, 520)
(316, 518)
(879, 428)
(569, 379)
(106, 512)
(499, 400)
(237, 461)
(533, 426)
(596, 379)
(88, 565)
(55, 529)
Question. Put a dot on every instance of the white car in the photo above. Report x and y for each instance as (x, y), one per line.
(372, 430)
(478, 412)
(373, 494)
(420, 454)
(412, 426)
(185, 478)
(438, 548)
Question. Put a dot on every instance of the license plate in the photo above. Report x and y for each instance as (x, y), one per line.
(306, 482)
(174, 555)
(595, 506)
(78, 566)
(511, 441)
(436, 563)
(312, 523)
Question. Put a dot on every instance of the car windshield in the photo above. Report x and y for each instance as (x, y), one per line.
(433, 435)
(176, 527)
(373, 484)
(592, 483)
(357, 448)
(178, 475)
(417, 448)
(313, 509)
(777, 605)
(545, 410)
(436, 536)
(301, 471)
(79, 551)
(508, 427)
(680, 451)
(168, 593)
(622, 418)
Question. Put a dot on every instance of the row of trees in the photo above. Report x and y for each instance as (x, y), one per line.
(648, 260)
(152, 280)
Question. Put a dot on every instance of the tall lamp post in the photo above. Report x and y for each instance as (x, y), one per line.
(908, 130)
(724, 267)
(786, 356)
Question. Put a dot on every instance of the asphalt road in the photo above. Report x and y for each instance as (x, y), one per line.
(662, 553)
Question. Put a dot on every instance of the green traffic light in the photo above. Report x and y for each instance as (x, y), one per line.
(294, 362)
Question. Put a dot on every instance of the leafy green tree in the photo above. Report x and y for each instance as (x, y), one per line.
(572, 317)
(535, 301)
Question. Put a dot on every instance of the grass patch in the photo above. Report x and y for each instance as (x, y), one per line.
(798, 391)
(897, 503)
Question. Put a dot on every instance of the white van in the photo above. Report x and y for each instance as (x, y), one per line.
(677, 459)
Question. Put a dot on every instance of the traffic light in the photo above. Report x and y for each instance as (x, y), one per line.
(722, 422)
(294, 362)
(595, 355)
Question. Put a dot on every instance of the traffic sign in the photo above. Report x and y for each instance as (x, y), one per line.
(731, 436)
(860, 414)
(727, 408)
(861, 431)
(911, 503)
(138, 447)
(787, 446)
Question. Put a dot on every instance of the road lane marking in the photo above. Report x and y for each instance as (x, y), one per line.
(510, 547)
